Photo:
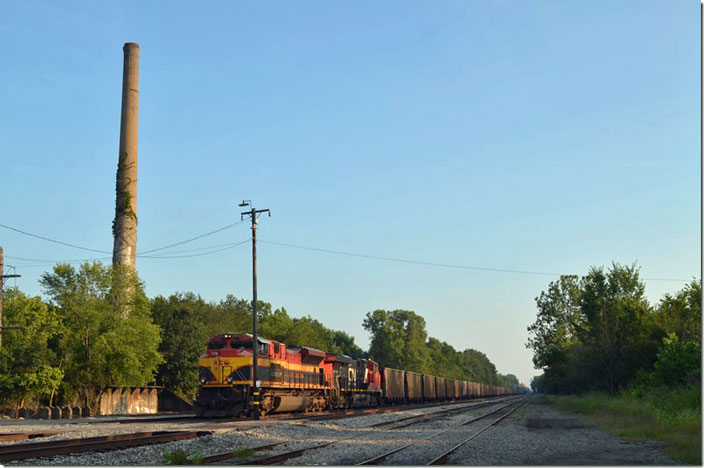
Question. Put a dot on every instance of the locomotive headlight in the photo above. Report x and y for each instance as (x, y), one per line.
(229, 379)
(202, 381)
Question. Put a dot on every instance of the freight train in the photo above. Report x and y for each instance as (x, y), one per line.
(300, 378)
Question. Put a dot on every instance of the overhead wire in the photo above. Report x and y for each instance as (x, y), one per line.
(236, 244)
(232, 245)
(222, 248)
(53, 240)
(192, 238)
(140, 254)
(444, 265)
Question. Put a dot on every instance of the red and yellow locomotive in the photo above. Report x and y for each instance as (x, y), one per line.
(291, 378)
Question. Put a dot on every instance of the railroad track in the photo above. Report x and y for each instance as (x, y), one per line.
(442, 459)
(91, 444)
(407, 421)
(15, 452)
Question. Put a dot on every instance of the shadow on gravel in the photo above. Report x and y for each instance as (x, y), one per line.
(556, 423)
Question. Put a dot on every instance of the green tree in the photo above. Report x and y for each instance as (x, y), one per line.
(477, 367)
(678, 363)
(29, 370)
(445, 361)
(559, 319)
(681, 313)
(398, 339)
(183, 340)
(594, 333)
(101, 346)
(344, 344)
(615, 332)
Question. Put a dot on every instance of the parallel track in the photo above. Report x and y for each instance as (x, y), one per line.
(416, 419)
(91, 444)
(443, 458)
(23, 451)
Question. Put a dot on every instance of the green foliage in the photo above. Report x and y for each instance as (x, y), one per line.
(536, 383)
(29, 370)
(398, 340)
(179, 457)
(594, 333)
(615, 332)
(477, 367)
(101, 345)
(678, 363)
(304, 331)
(559, 319)
(183, 340)
(681, 313)
(123, 198)
(600, 333)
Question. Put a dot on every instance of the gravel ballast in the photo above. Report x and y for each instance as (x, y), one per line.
(534, 435)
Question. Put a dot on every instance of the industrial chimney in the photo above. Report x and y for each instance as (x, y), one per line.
(124, 227)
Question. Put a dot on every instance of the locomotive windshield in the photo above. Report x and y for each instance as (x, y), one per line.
(233, 345)
(241, 344)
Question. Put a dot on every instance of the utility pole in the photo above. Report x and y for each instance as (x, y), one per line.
(256, 397)
(2, 285)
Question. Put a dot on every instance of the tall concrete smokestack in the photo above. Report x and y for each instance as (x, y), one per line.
(124, 227)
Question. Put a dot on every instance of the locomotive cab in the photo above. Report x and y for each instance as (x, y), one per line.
(225, 373)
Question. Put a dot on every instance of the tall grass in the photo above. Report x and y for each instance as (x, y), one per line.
(672, 415)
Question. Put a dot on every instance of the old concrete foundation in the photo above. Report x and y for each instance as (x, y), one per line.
(134, 400)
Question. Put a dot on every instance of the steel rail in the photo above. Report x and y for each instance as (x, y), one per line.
(9, 437)
(442, 459)
(383, 456)
(229, 455)
(295, 453)
(118, 441)
(443, 413)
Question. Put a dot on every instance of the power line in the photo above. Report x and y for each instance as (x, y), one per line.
(192, 238)
(107, 252)
(445, 265)
(25, 259)
(221, 248)
(44, 260)
(53, 240)
(200, 254)
(190, 250)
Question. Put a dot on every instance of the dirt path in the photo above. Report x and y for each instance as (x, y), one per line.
(540, 435)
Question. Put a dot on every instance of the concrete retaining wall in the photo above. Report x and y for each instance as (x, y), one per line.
(134, 400)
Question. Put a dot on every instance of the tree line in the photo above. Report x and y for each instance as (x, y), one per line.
(600, 333)
(399, 340)
(80, 340)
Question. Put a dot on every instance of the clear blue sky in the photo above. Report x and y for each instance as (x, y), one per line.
(545, 136)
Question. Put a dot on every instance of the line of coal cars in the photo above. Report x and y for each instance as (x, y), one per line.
(401, 386)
